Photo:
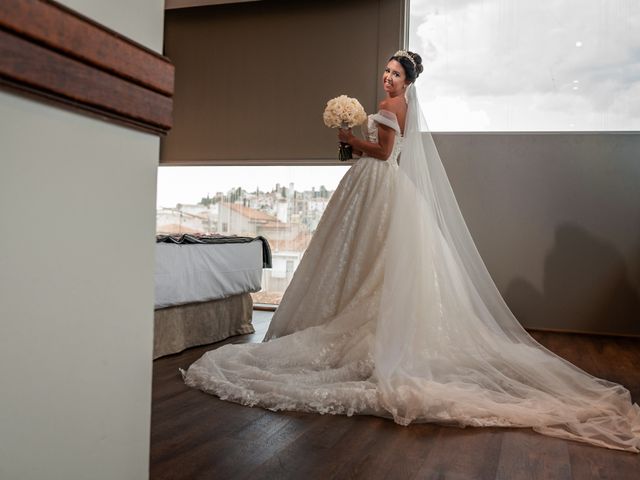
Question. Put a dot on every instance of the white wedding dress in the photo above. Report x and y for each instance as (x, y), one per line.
(392, 312)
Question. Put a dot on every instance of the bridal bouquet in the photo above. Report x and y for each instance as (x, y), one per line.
(344, 112)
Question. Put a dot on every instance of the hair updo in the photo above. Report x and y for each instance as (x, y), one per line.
(410, 71)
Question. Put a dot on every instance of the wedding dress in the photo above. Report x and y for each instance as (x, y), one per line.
(393, 313)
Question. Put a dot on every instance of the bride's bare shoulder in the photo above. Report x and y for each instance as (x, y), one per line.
(396, 105)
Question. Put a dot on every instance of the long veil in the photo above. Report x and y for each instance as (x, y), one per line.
(448, 349)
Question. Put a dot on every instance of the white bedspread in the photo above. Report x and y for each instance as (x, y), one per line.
(201, 272)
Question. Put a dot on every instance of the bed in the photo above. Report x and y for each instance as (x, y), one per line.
(202, 288)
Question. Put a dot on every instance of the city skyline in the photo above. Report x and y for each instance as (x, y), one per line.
(188, 185)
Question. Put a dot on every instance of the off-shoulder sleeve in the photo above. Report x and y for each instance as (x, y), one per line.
(387, 118)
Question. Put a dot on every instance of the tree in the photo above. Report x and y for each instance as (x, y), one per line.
(207, 201)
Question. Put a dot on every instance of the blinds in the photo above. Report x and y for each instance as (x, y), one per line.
(252, 79)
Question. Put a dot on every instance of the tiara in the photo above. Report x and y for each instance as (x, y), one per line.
(404, 53)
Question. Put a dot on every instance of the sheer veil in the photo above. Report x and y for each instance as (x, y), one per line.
(448, 349)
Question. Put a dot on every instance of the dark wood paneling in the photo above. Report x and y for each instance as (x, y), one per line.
(48, 50)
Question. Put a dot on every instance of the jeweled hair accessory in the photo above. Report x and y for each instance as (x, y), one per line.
(404, 53)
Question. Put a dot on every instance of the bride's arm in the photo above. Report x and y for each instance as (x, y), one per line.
(380, 150)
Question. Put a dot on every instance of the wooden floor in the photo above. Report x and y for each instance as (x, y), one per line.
(197, 436)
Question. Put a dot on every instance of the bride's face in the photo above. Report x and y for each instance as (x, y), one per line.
(394, 78)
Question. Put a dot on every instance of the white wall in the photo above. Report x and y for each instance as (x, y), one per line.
(139, 20)
(76, 287)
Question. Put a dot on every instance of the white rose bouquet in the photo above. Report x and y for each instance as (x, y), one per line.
(344, 112)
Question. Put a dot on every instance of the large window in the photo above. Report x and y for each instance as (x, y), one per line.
(528, 65)
(283, 204)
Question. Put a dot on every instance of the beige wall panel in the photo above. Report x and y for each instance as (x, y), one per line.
(77, 202)
(556, 217)
(252, 79)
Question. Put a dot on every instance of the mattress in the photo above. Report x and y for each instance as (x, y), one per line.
(187, 273)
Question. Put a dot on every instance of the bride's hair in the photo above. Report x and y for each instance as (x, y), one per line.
(410, 70)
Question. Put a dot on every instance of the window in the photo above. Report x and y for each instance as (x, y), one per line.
(283, 204)
(526, 65)
(290, 267)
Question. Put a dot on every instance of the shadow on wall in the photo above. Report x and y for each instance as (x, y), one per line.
(586, 287)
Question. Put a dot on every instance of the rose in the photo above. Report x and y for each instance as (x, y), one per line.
(344, 112)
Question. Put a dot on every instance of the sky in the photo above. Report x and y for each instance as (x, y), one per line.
(528, 65)
(490, 65)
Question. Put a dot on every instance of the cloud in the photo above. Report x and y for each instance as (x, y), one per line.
(454, 113)
(581, 55)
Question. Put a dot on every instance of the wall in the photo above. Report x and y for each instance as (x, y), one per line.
(556, 217)
(76, 286)
(253, 79)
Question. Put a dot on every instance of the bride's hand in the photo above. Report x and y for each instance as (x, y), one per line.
(345, 135)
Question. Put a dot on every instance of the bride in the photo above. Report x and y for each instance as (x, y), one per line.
(393, 313)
